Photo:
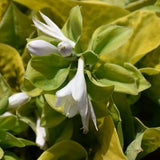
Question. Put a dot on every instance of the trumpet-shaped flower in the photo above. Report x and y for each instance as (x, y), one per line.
(40, 135)
(18, 99)
(74, 96)
(51, 29)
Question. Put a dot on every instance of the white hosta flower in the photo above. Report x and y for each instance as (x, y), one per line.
(41, 48)
(74, 96)
(51, 29)
(18, 99)
(40, 135)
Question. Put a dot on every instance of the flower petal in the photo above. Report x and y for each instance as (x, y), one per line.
(84, 112)
(41, 48)
(79, 83)
(47, 29)
(71, 108)
(40, 135)
(18, 99)
(93, 116)
(51, 24)
(79, 90)
(66, 90)
(60, 101)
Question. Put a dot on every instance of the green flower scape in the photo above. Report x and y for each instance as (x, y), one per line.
(79, 80)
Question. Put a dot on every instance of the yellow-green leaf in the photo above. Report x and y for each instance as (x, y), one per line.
(11, 66)
(15, 27)
(67, 149)
(3, 7)
(5, 88)
(150, 64)
(1, 153)
(91, 20)
(109, 148)
(144, 38)
(30, 89)
(136, 4)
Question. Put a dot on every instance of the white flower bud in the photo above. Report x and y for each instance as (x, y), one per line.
(18, 100)
(65, 49)
(41, 48)
(6, 114)
(40, 135)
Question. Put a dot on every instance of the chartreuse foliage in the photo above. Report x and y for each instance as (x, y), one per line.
(13, 72)
(119, 43)
(63, 150)
(16, 36)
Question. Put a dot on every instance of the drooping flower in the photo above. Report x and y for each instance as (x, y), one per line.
(18, 99)
(74, 96)
(40, 135)
(42, 48)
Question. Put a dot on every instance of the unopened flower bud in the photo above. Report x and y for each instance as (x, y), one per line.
(65, 49)
(41, 48)
(40, 135)
(18, 100)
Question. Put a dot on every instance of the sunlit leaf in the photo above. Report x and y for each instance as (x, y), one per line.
(109, 146)
(153, 8)
(3, 7)
(103, 92)
(91, 20)
(150, 141)
(11, 67)
(51, 100)
(107, 38)
(5, 89)
(90, 57)
(13, 30)
(117, 76)
(142, 83)
(120, 3)
(116, 119)
(47, 72)
(150, 63)
(1, 152)
(30, 89)
(65, 150)
(73, 26)
(136, 4)
(145, 142)
(138, 45)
